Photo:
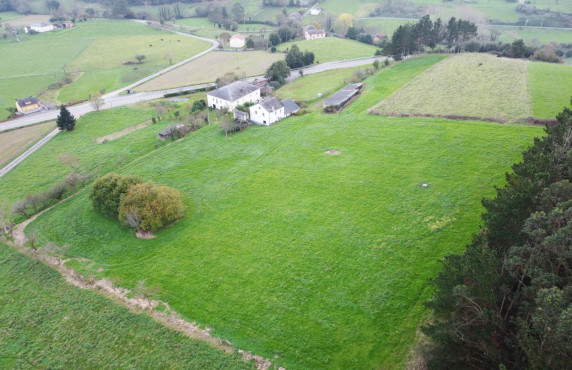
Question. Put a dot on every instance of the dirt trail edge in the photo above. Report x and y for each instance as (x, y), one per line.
(168, 318)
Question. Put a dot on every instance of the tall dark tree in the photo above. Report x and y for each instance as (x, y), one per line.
(65, 120)
(278, 71)
(508, 299)
(237, 12)
(295, 58)
(352, 33)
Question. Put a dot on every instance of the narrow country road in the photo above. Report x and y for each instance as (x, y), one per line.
(114, 99)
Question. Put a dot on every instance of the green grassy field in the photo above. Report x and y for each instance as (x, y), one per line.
(534, 36)
(7, 16)
(94, 157)
(48, 323)
(213, 65)
(95, 48)
(308, 87)
(470, 85)
(550, 88)
(323, 261)
(329, 49)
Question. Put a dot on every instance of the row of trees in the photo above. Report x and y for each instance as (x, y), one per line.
(142, 205)
(507, 301)
(425, 33)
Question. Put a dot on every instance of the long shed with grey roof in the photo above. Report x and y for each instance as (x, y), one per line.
(342, 97)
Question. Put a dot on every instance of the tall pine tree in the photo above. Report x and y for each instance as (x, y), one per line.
(65, 119)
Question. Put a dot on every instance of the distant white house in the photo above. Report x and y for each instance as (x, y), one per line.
(230, 96)
(40, 27)
(272, 110)
(311, 33)
(315, 11)
(237, 41)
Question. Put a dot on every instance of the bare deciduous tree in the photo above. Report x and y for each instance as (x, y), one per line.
(20, 207)
(133, 220)
(144, 291)
(96, 101)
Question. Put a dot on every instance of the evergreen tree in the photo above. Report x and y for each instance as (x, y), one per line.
(295, 58)
(508, 299)
(65, 120)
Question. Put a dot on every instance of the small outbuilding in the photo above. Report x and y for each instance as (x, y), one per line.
(28, 105)
(40, 27)
(237, 41)
(240, 116)
(290, 107)
(171, 132)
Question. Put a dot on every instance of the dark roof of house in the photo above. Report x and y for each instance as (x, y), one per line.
(316, 32)
(271, 104)
(30, 100)
(290, 106)
(309, 28)
(234, 91)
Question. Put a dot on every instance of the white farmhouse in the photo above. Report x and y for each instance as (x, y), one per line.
(315, 11)
(272, 110)
(237, 41)
(230, 96)
(267, 111)
(41, 27)
(312, 33)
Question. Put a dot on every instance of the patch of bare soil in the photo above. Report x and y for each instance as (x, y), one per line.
(168, 317)
(121, 133)
(145, 234)
(332, 152)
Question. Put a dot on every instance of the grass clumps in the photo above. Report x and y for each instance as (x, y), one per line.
(467, 85)
(47, 323)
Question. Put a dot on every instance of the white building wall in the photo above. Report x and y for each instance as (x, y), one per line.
(262, 117)
(218, 103)
(236, 43)
(41, 29)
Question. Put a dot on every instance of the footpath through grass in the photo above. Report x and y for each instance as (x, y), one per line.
(550, 88)
(48, 323)
(322, 261)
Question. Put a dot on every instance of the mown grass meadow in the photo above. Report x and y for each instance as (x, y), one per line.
(332, 49)
(470, 85)
(550, 88)
(320, 260)
(48, 323)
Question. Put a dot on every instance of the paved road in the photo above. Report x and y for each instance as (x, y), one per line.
(25, 155)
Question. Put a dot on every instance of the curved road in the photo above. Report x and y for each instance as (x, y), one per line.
(114, 99)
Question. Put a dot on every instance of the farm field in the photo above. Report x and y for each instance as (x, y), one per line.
(335, 252)
(15, 142)
(469, 85)
(533, 35)
(95, 50)
(7, 16)
(61, 326)
(331, 48)
(307, 88)
(550, 88)
(21, 21)
(213, 65)
(93, 157)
